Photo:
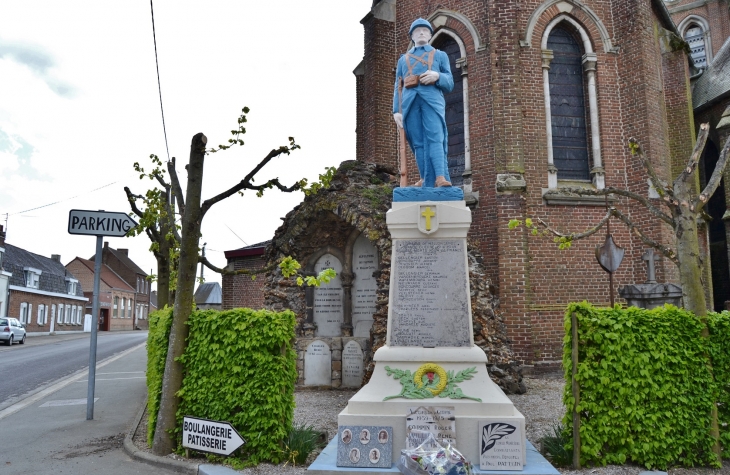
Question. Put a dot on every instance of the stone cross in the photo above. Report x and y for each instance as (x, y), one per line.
(650, 259)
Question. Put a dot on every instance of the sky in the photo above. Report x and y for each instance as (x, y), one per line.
(79, 105)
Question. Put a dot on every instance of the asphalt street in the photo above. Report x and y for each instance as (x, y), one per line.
(24, 369)
(48, 433)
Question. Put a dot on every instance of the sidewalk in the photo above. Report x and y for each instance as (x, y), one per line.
(52, 435)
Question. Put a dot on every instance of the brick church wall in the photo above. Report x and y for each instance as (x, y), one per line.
(641, 92)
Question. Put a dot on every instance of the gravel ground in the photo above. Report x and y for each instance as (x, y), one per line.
(541, 405)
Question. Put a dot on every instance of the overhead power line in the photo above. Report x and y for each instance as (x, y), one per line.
(159, 87)
(61, 201)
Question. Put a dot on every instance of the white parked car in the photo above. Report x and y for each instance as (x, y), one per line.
(11, 330)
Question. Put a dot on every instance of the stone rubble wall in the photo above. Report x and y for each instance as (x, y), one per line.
(358, 198)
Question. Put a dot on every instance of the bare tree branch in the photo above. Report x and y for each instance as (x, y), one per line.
(576, 236)
(715, 179)
(176, 188)
(131, 197)
(245, 184)
(661, 187)
(694, 159)
(204, 260)
(667, 252)
(616, 191)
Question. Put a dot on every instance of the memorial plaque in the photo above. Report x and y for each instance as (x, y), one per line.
(430, 299)
(364, 446)
(352, 365)
(437, 420)
(328, 312)
(318, 364)
(364, 287)
(501, 445)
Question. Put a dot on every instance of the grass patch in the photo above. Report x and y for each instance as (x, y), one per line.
(557, 447)
(302, 441)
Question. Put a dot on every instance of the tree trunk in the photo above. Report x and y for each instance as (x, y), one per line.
(693, 293)
(690, 264)
(164, 442)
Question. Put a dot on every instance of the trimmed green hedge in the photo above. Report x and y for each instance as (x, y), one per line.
(646, 390)
(157, 338)
(240, 367)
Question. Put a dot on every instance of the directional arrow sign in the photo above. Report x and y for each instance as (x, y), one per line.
(210, 436)
(99, 223)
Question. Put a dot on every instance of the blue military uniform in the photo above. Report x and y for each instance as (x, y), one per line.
(424, 110)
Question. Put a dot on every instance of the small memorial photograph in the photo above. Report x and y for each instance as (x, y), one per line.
(501, 445)
(365, 446)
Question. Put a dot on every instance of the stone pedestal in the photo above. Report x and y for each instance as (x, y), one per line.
(650, 296)
(429, 321)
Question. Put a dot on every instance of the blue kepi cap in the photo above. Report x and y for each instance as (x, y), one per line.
(420, 22)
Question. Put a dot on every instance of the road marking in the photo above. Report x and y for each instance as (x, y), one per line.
(66, 402)
(125, 372)
(109, 379)
(62, 383)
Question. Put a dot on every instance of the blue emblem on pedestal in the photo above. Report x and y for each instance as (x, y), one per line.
(413, 193)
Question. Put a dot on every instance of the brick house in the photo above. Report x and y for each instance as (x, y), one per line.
(43, 294)
(4, 278)
(116, 297)
(118, 260)
(547, 94)
(241, 290)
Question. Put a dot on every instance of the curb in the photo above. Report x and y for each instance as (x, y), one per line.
(177, 466)
(163, 462)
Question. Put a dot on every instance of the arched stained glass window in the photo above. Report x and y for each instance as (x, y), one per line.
(568, 106)
(454, 110)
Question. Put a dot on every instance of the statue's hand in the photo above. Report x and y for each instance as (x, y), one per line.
(429, 77)
(398, 118)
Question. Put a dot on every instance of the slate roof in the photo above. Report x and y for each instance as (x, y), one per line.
(256, 246)
(714, 83)
(209, 293)
(53, 273)
(109, 277)
(124, 259)
(153, 298)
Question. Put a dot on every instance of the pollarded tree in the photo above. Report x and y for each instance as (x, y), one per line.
(682, 208)
(158, 221)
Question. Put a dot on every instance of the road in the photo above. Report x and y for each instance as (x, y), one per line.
(48, 433)
(25, 369)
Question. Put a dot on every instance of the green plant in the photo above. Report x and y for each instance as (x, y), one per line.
(301, 441)
(240, 367)
(378, 194)
(719, 326)
(157, 338)
(646, 388)
(558, 446)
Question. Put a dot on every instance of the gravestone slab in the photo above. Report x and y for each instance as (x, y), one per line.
(437, 420)
(352, 365)
(318, 364)
(501, 445)
(364, 287)
(364, 446)
(430, 300)
(328, 312)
